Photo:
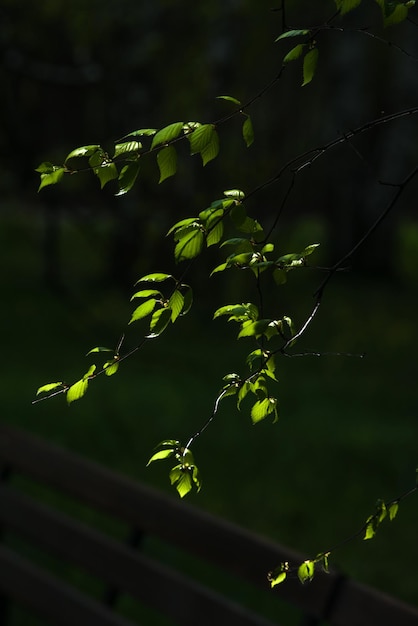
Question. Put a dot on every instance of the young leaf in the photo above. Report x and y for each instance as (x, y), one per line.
(236, 194)
(154, 278)
(143, 310)
(310, 62)
(48, 387)
(167, 134)
(127, 177)
(276, 580)
(77, 391)
(111, 367)
(159, 322)
(294, 53)
(127, 148)
(147, 293)
(84, 151)
(263, 408)
(393, 510)
(167, 162)
(51, 178)
(181, 477)
(248, 131)
(230, 99)
(292, 33)
(162, 454)
(99, 349)
(205, 141)
(176, 303)
(306, 571)
(190, 245)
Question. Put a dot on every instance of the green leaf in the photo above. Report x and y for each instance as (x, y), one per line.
(262, 408)
(370, 528)
(393, 510)
(238, 312)
(99, 349)
(111, 367)
(106, 173)
(176, 303)
(181, 477)
(127, 177)
(167, 162)
(154, 278)
(167, 134)
(127, 148)
(190, 245)
(188, 299)
(344, 6)
(78, 390)
(279, 276)
(292, 33)
(306, 571)
(49, 387)
(309, 249)
(214, 228)
(248, 131)
(162, 454)
(310, 62)
(84, 151)
(253, 329)
(276, 580)
(146, 132)
(51, 178)
(204, 141)
(230, 99)
(394, 11)
(236, 194)
(159, 322)
(147, 293)
(143, 310)
(294, 53)
(188, 221)
(45, 168)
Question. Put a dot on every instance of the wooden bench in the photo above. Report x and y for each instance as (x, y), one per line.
(131, 570)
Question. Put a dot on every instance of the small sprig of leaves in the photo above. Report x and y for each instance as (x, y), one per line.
(185, 474)
(306, 570)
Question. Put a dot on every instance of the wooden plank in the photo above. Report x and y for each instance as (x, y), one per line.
(215, 540)
(60, 604)
(359, 605)
(169, 592)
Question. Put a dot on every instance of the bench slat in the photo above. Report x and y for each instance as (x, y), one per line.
(61, 604)
(228, 546)
(154, 584)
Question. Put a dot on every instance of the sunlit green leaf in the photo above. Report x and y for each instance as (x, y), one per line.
(310, 62)
(253, 329)
(127, 148)
(143, 310)
(142, 132)
(262, 408)
(84, 151)
(248, 131)
(188, 221)
(393, 510)
(167, 134)
(159, 322)
(190, 245)
(147, 293)
(176, 303)
(281, 577)
(214, 229)
(154, 278)
(99, 349)
(167, 162)
(236, 194)
(49, 387)
(78, 389)
(106, 173)
(306, 571)
(205, 141)
(127, 177)
(162, 454)
(111, 367)
(182, 478)
(52, 178)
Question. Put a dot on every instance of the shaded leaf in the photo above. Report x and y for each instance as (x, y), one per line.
(127, 148)
(127, 177)
(248, 131)
(344, 6)
(310, 62)
(292, 33)
(51, 178)
(230, 99)
(83, 151)
(294, 53)
(106, 173)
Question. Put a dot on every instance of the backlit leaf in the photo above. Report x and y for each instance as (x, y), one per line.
(127, 148)
(205, 141)
(306, 571)
(147, 293)
(162, 454)
(310, 62)
(99, 349)
(159, 322)
(167, 134)
(292, 33)
(393, 510)
(111, 367)
(154, 278)
(262, 408)
(248, 131)
(230, 99)
(176, 303)
(48, 387)
(52, 178)
(143, 310)
(294, 53)
(167, 162)
(189, 246)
